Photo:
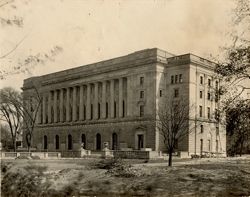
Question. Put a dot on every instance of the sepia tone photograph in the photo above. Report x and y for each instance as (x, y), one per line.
(124, 98)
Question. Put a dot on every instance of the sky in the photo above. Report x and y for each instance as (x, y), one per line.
(92, 31)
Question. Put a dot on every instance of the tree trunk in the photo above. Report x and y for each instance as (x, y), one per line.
(170, 158)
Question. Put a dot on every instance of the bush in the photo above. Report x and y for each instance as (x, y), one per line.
(118, 168)
(23, 157)
(24, 182)
(5, 167)
(35, 157)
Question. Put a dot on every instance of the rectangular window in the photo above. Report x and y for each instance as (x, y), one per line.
(141, 110)
(91, 111)
(208, 112)
(172, 79)
(209, 82)
(201, 79)
(141, 94)
(176, 79)
(200, 111)
(176, 93)
(99, 110)
(209, 145)
(180, 78)
(114, 109)
(216, 85)
(216, 97)
(107, 110)
(141, 81)
(208, 96)
(160, 93)
(123, 108)
(200, 94)
(202, 129)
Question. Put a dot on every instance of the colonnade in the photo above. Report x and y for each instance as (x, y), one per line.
(98, 100)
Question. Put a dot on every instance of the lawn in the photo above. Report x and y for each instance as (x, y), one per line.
(92, 177)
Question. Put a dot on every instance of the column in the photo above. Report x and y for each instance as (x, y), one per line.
(67, 105)
(129, 96)
(44, 109)
(112, 101)
(81, 103)
(104, 99)
(39, 117)
(120, 97)
(61, 105)
(55, 106)
(96, 101)
(74, 111)
(49, 107)
(88, 115)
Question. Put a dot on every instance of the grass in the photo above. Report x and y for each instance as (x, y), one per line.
(89, 177)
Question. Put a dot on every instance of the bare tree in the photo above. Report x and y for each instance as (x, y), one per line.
(10, 111)
(30, 109)
(172, 122)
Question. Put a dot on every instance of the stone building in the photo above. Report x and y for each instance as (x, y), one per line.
(116, 100)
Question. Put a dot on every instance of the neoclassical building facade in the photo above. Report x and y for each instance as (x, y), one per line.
(116, 101)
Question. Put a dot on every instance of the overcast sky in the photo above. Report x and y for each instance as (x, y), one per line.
(91, 31)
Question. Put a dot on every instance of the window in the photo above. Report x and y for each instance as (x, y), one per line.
(217, 131)
(201, 79)
(202, 129)
(141, 110)
(216, 85)
(91, 111)
(84, 141)
(209, 82)
(200, 94)
(176, 93)
(107, 109)
(69, 142)
(57, 142)
(84, 112)
(209, 145)
(216, 97)
(200, 111)
(45, 142)
(217, 146)
(208, 112)
(141, 94)
(114, 109)
(141, 81)
(99, 110)
(176, 79)
(180, 78)
(208, 96)
(160, 93)
(172, 79)
(123, 108)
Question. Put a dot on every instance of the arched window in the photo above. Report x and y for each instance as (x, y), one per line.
(69, 142)
(84, 141)
(45, 142)
(114, 141)
(98, 141)
(57, 142)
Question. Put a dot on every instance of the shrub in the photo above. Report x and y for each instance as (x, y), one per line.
(5, 167)
(117, 167)
(35, 157)
(23, 157)
(24, 181)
